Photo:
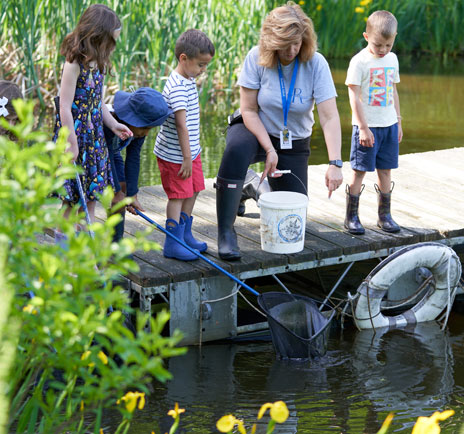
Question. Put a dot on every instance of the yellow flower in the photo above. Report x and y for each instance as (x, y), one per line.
(176, 411)
(101, 431)
(103, 358)
(365, 2)
(131, 400)
(429, 425)
(85, 356)
(30, 309)
(359, 10)
(82, 406)
(278, 410)
(318, 7)
(301, 3)
(227, 423)
(386, 424)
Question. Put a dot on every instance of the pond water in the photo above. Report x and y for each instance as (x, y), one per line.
(431, 103)
(364, 376)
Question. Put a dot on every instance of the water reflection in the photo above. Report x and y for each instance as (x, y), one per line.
(365, 375)
(408, 371)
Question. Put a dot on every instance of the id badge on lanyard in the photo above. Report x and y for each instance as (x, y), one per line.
(285, 139)
(285, 133)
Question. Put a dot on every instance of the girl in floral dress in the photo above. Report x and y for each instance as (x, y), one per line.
(87, 50)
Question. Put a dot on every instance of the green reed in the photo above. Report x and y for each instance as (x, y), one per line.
(33, 30)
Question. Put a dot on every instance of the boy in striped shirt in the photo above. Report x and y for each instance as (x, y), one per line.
(177, 145)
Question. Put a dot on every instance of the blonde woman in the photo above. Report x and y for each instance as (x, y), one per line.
(280, 82)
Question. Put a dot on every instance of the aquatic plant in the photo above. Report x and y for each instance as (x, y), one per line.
(62, 324)
(144, 53)
(279, 414)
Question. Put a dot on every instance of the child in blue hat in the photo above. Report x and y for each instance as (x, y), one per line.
(140, 111)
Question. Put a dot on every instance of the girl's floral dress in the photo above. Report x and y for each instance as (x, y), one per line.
(88, 124)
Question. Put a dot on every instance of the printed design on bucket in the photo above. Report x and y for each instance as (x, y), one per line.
(290, 228)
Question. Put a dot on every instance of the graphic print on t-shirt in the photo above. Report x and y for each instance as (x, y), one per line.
(381, 86)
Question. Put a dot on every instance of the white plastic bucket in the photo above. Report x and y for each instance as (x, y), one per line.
(283, 221)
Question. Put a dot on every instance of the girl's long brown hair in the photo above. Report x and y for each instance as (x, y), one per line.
(92, 40)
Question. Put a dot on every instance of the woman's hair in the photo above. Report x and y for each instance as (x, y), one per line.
(282, 27)
(9, 91)
(92, 40)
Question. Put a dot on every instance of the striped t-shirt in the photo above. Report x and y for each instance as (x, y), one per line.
(180, 93)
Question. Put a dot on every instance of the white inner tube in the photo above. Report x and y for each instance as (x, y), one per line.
(443, 263)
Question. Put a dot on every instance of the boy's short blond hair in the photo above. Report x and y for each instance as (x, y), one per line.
(382, 22)
(282, 27)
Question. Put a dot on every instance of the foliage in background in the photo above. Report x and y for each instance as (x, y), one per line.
(32, 31)
(74, 356)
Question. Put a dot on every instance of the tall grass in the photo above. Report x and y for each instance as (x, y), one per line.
(32, 31)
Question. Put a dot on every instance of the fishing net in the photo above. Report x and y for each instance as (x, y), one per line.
(298, 329)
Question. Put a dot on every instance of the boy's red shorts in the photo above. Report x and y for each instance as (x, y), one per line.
(176, 187)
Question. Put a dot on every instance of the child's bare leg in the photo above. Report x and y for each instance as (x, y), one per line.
(91, 209)
(384, 179)
(68, 209)
(173, 209)
(187, 206)
(61, 238)
(356, 182)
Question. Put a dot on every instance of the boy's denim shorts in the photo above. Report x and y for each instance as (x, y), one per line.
(384, 154)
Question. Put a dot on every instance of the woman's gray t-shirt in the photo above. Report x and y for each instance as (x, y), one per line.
(314, 83)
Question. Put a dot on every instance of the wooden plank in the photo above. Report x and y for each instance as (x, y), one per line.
(423, 203)
(148, 275)
(411, 232)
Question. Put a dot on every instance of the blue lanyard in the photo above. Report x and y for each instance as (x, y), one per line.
(287, 100)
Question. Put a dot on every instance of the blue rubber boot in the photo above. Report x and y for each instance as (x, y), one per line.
(188, 237)
(172, 248)
(61, 240)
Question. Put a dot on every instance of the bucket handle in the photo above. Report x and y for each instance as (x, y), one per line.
(283, 172)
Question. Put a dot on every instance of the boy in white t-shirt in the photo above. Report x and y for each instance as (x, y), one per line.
(377, 132)
(178, 143)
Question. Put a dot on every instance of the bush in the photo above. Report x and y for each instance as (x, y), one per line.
(71, 357)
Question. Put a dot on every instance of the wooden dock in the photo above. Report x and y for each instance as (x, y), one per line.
(427, 203)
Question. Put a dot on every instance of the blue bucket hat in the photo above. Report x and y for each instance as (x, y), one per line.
(143, 108)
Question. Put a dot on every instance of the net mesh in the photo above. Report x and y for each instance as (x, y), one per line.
(298, 329)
